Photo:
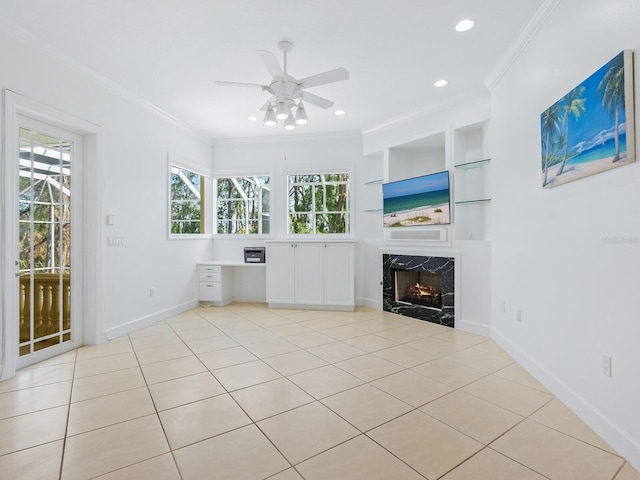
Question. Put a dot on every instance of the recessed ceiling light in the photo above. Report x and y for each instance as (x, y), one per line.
(464, 25)
(441, 83)
(339, 112)
(252, 118)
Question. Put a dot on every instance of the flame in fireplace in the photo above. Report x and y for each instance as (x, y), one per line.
(420, 290)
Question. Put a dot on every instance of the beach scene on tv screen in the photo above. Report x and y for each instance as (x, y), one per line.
(417, 201)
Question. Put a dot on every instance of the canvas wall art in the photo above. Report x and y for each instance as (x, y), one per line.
(591, 128)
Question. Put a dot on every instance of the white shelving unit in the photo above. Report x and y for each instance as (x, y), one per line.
(418, 157)
(372, 185)
(472, 196)
(421, 156)
(462, 151)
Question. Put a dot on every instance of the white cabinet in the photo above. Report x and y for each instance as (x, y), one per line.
(216, 284)
(280, 272)
(339, 287)
(312, 274)
(309, 260)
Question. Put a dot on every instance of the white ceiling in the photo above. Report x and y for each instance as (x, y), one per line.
(170, 52)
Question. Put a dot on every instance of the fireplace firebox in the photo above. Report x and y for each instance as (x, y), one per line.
(419, 287)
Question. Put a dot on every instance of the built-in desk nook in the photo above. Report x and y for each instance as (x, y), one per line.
(296, 274)
(217, 280)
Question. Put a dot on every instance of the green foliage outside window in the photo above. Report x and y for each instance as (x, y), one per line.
(243, 205)
(44, 202)
(319, 203)
(187, 208)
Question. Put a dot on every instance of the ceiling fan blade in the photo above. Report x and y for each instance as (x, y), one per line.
(316, 100)
(323, 78)
(240, 84)
(270, 61)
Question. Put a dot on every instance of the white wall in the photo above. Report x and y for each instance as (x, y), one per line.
(133, 154)
(578, 294)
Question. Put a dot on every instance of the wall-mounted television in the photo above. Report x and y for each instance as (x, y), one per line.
(417, 201)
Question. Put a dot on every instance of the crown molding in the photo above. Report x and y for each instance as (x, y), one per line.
(290, 138)
(59, 56)
(521, 41)
(460, 99)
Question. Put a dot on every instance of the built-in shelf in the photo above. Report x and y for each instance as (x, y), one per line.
(476, 164)
(469, 202)
(374, 182)
(372, 209)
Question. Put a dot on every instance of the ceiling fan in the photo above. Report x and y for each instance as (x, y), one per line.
(288, 93)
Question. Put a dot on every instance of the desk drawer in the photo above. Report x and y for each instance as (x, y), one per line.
(211, 291)
(210, 276)
(210, 269)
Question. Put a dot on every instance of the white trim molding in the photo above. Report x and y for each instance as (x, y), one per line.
(60, 56)
(611, 433)
(92, 310)
(519, 44)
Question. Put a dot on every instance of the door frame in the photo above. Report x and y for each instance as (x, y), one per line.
(90, 309)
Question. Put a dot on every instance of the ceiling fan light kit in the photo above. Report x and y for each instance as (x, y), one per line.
(289, 123)
(282, 111)
(301, 115)
(287, 92)
(270, 117)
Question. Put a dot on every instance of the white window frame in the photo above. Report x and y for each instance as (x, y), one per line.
(350, 204)
(177, 161)
(235, 175)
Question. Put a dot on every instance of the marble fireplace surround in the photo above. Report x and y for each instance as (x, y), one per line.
(442, 262)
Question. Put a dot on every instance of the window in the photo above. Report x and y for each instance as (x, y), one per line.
(319, 203)
(187, 201)
(243, 205)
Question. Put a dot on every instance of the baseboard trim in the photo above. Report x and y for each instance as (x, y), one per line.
(370, 303)
(473, 327)
(299, 306)
(142, 322)
(610, 432)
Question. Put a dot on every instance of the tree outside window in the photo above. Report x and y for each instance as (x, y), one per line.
(187, 201)
(243, 205)
(319, 203)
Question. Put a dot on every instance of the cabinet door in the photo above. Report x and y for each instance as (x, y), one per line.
(339, 286)
(210, 292)
(280, 272)
(309, 278)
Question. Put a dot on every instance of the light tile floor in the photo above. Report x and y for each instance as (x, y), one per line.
(244, 392)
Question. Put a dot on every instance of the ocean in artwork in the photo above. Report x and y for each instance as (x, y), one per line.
(406, 203)
(600, 152)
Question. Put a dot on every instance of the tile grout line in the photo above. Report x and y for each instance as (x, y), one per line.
(239, 317)
(157, 413)
(66, 427)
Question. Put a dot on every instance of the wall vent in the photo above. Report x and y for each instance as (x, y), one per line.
(431, 235)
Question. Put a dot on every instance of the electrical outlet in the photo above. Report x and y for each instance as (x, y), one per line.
(504, 307)
(606, 365)
(519, 315)
(152, 292)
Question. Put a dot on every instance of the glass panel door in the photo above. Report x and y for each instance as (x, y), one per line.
(44, 259)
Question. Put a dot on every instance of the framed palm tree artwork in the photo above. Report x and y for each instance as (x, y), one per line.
(590, 129)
